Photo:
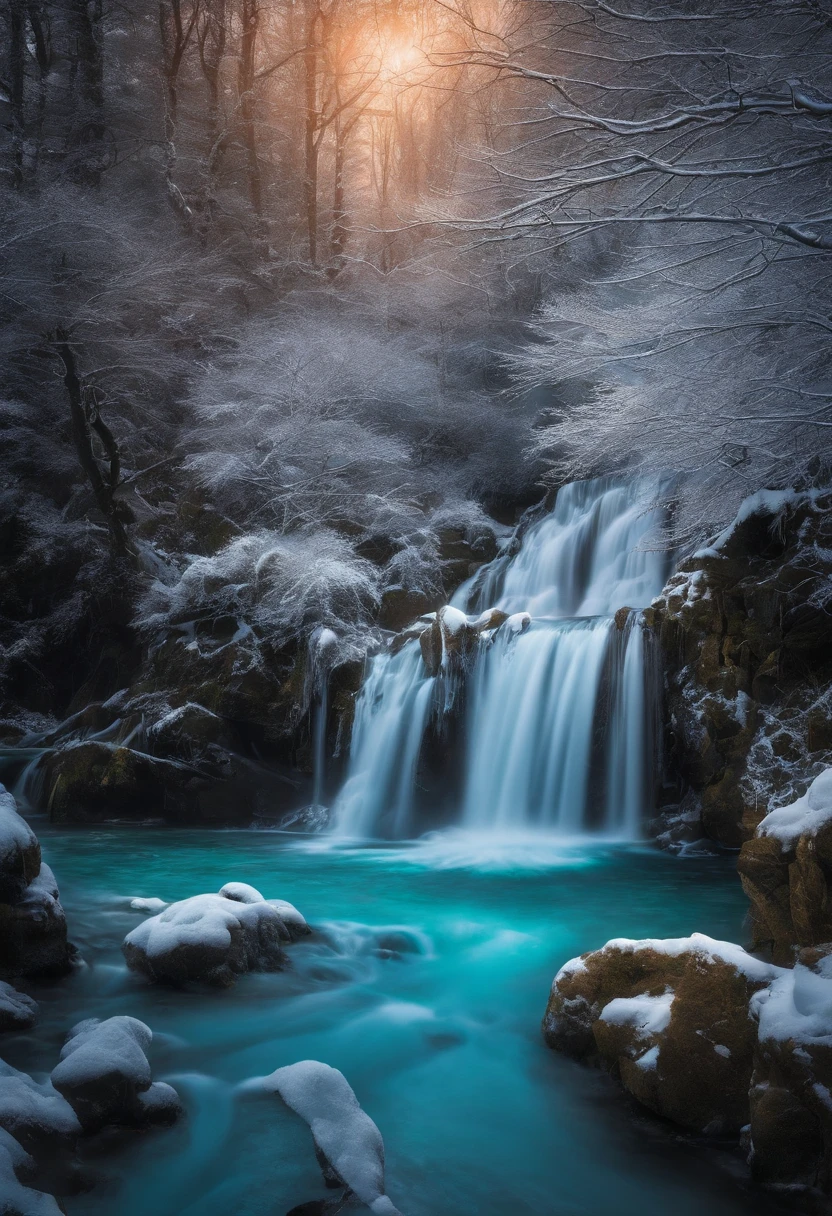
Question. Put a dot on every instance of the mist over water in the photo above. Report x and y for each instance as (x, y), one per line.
(557, 720)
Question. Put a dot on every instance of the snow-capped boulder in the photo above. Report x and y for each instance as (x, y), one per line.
(348, 1144)
(17, 1169)
(32, 922)
(672, 1017)
(104, 1074)
(786, 872)
(17, 1011)
(213, 938)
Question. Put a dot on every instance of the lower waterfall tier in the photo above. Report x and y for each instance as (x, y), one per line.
(555, 724)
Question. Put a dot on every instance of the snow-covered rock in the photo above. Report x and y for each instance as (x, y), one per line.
(105, 1076)
(713, 1038)
(16, 1169)
(803, 817)
(17, 1011)
(214, 938)
(348, 1143)
(790, 1132)
(32, 922)
(672, 1017)
(151, 905)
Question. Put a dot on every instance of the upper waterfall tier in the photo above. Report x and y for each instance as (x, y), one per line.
(589, 557)
(554, 722)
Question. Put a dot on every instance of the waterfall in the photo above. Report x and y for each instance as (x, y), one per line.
(557, 717)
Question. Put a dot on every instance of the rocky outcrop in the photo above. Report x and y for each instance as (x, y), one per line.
(741, 624)
(712, 1038)
(786, 872)
(213, 939)
(448, 638)
(33, 939)
(670, 1018)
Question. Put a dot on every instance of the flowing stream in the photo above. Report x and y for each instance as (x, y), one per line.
(558, 719)
(426, 988)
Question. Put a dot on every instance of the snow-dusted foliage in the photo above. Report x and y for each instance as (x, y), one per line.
(284, 586)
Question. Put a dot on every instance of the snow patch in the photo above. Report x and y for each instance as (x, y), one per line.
(647, 1015)
(805, 816)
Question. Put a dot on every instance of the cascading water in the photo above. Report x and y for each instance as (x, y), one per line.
(557, 716)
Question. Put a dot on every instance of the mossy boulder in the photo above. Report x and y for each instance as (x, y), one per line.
(670, 1019)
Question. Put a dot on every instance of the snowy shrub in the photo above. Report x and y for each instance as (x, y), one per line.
(282, 586)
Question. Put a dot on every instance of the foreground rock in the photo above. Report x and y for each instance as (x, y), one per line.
(348, 1145)
(33, 938)
(671, 1018)
(212, 939)
(103, 1080)
(786, 872)
(704, 1034)
(105, 1076)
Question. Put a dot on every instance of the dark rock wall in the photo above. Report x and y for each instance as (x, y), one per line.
(746, 635)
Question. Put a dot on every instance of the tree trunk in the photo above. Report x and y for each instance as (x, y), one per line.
(17, 73)
(310, 181)
(248, 53)
(212, 39)
(39, 25)
(90, 131)
(84, 421)
(175, 38)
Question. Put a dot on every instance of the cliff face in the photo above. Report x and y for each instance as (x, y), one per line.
(746, 632)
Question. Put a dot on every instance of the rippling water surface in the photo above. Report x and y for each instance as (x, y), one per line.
(425, 987)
